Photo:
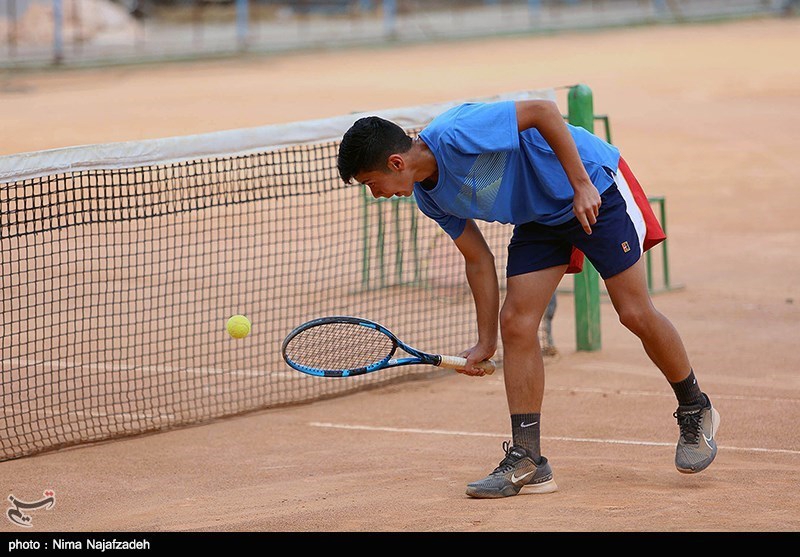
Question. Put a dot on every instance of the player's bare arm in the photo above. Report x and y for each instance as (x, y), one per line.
(482, 279)
(546, 117)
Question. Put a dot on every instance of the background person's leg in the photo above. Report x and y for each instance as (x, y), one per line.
(545, 332)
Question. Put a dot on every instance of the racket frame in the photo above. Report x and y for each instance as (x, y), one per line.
(417, 357)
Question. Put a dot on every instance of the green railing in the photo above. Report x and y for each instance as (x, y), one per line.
(376, 209)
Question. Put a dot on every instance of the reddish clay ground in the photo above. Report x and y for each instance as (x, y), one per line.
(707, 115)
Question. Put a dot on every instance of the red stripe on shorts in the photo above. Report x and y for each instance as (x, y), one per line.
(654, 234)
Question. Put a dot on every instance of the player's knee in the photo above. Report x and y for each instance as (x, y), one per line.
(516, 325)
(636, 319)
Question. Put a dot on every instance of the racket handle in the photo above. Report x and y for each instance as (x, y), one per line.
(456, 362)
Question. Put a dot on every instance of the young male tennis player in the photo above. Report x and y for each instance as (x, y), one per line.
(568, 193)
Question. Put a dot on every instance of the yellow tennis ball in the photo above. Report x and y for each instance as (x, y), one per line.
(238, 326)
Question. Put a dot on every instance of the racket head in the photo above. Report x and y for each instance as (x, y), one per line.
(338, 346)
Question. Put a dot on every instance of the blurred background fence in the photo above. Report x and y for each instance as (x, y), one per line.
(35, 33)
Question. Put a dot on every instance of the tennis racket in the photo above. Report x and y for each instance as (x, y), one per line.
(342, 346)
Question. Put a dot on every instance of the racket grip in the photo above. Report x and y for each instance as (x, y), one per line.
(456, 362)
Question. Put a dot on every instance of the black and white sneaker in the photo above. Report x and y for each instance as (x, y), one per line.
(515, 471)
(697, 447)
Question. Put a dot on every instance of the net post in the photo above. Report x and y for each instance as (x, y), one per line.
(587, 283)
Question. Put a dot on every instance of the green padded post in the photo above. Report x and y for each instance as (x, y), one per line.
(587, 282)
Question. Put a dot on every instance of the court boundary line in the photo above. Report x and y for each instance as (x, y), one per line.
(627, 392)
(566, 439)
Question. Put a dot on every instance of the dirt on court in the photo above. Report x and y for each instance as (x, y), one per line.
(708, 115)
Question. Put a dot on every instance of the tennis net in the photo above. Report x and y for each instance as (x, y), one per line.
(122, 262)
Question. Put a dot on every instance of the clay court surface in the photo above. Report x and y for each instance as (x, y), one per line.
(707, 115)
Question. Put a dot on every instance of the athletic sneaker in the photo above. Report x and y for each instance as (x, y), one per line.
(516, 470)
(696, 444)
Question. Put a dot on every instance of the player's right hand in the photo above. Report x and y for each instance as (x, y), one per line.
(586, 206)
(477, 353)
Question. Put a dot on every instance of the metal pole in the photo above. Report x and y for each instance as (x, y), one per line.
(242, 23)
(366, 238)
(13, 27)
(390, 18)
(58, 32)
(664, 244)
(534, 8)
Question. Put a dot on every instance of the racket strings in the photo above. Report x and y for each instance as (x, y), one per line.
(339, 346)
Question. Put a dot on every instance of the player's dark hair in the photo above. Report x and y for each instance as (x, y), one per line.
(366, 146)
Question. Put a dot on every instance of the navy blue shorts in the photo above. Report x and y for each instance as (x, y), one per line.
(614, 245)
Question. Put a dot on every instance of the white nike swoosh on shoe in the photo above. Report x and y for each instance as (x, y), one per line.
(523, 424)
(515, 479)
(708, 440)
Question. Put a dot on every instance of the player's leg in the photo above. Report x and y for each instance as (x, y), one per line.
(537, 260)
(661, 341)
(615, 248)
(527, 298)
(697, 419)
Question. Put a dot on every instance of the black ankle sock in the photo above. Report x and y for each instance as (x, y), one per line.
(525, 433)
(688, 391)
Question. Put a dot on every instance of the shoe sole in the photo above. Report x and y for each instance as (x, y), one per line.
(510, 490)
(544, 487)
(714, 428)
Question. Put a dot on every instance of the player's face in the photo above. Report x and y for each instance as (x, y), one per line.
(389, 182)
